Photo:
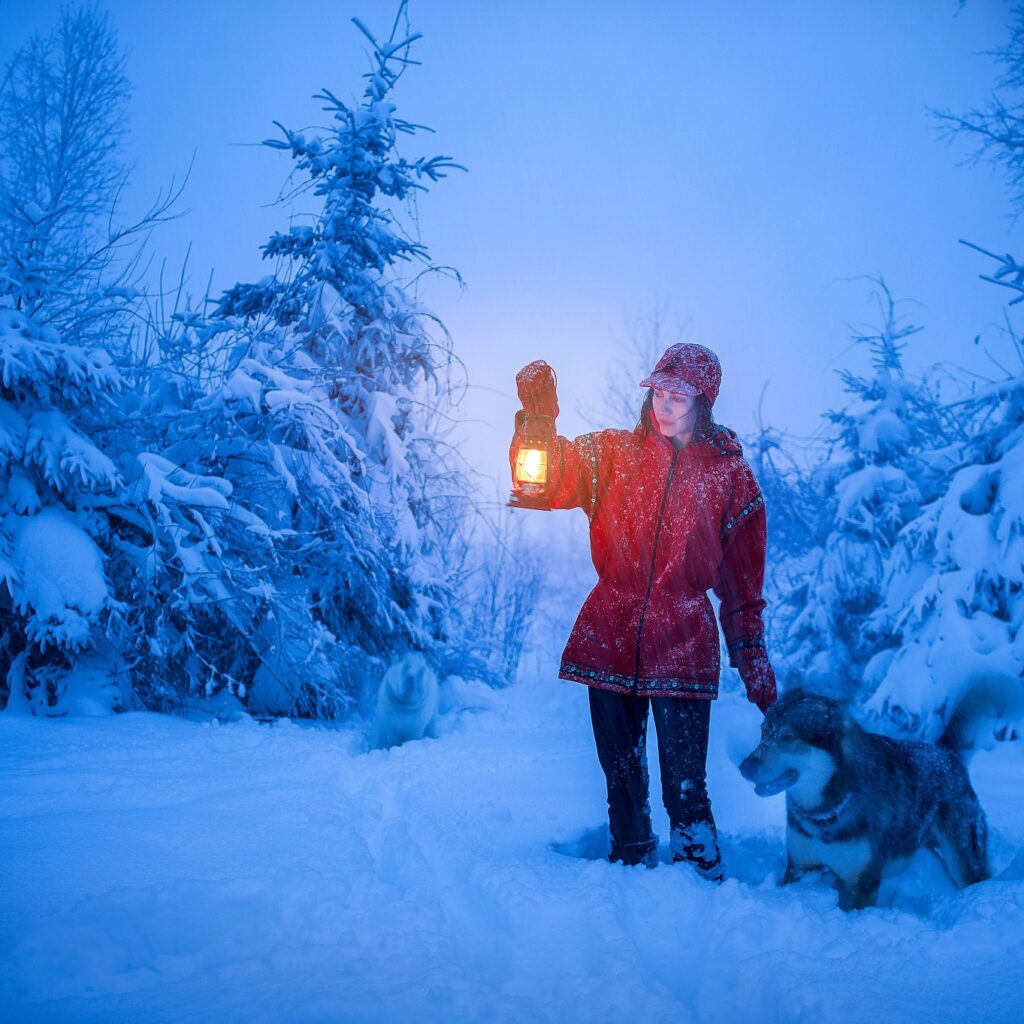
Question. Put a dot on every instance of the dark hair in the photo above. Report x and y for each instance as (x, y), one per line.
(703, 427)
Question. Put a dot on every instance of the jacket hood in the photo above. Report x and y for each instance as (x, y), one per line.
(723, 441)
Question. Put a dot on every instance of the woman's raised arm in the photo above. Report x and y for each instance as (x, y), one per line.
(572, 465)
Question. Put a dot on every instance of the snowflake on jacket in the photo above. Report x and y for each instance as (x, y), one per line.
(666, 526)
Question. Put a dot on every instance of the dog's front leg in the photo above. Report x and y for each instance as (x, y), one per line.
(864, 890)
(793, 872)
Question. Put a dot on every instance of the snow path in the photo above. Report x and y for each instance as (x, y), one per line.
(156, 870)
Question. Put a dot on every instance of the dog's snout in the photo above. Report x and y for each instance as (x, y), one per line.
(750, 765)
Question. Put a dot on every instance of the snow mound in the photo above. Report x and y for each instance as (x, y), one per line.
(59, 577)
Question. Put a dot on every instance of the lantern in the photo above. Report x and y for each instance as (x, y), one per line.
(531, 452)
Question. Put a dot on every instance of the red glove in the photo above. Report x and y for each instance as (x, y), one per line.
(536, 386)
(759, 678)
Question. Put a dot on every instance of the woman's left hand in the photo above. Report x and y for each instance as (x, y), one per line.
(759, 678)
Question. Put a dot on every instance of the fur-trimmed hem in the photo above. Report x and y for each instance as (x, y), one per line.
(692, 689)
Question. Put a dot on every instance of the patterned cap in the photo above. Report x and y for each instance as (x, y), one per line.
(687, 369)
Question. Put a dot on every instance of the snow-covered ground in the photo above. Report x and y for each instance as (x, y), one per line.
(155, 869)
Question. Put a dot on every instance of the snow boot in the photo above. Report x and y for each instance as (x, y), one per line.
(697, 844)
(631, 854)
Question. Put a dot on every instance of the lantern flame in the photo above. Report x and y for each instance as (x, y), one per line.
(532, 466)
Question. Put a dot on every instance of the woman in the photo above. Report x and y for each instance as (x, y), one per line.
(674, 511)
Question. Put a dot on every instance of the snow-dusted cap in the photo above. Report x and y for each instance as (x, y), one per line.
(687, 369)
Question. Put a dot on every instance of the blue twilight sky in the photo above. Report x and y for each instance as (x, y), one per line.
(738, 163)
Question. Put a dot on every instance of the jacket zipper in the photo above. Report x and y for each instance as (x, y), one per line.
(650, 577)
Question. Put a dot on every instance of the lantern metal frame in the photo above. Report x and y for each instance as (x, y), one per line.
(534, 432)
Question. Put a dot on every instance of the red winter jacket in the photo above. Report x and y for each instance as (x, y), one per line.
(666, 525)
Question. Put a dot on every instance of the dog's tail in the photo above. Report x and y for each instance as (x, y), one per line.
(988, 710)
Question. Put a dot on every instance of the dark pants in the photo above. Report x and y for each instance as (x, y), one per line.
(620, 729)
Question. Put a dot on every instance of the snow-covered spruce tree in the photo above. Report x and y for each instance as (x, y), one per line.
(953, 606)
(52, 473)
(870, 485)
(191, 560)
(318, 417)
(954, 585)
(66, 305)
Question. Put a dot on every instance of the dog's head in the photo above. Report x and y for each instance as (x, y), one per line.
(801, 745)
(408, 679)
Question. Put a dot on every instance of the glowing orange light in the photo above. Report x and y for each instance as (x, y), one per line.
(529, 458)
(531, 466)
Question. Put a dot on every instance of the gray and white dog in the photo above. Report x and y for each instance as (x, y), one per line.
(856, 801)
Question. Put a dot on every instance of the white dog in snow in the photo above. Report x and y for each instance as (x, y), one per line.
(406, 703)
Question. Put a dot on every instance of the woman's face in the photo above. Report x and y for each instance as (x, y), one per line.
(675, 414)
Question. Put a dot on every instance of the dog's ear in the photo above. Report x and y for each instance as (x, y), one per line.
(847, 730)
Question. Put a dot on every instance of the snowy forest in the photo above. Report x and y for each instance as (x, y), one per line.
(226, 516)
